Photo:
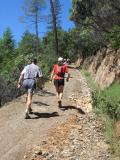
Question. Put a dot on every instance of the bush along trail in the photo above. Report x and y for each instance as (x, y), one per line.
(77, 136)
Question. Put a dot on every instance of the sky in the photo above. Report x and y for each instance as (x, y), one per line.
(11, 10)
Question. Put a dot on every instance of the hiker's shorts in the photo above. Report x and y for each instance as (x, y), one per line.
(29, 85)
(59, 82)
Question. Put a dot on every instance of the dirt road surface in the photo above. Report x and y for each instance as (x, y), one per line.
(19, 135)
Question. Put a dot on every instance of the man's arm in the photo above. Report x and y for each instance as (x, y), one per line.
(68, 77)
(19, 81)
(39, 74)
(21, 77)
(39, 79)
(52, 74)
(68, 74)
(51, 77)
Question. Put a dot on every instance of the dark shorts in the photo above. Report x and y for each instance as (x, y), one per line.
(29, 85)
(59, 82)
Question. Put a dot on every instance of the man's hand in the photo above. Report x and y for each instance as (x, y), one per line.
(50, 81)
(67, 79)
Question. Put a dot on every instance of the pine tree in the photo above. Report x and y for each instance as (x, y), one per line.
(32, 15)
(57, 10)
(7, 43)
(28, 43)
(54, 24)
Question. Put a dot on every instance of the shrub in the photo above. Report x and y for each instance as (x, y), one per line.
(114, 36)
(108, 101)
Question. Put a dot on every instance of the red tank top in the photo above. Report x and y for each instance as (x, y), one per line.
(59, 71)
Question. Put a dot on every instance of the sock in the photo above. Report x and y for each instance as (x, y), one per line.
(26, 111)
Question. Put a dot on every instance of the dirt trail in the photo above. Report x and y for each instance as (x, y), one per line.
(17, 135)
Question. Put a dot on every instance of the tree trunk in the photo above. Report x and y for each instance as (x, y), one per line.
(36, 30)
(0, 101)
(54, 26)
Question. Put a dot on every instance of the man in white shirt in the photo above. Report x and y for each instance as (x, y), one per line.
(28, 76)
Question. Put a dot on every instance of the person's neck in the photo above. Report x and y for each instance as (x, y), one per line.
(33, 63)
(60, 64)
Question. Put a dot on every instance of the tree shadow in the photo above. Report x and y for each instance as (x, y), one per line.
(64, 108)
(45, 115)
(40, 103)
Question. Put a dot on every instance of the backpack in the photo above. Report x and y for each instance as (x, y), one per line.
(60, 72)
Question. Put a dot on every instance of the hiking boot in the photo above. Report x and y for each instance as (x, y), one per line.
(59, 104)
(27, 116)
(30, 110)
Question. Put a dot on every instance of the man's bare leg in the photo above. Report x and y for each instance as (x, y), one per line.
(28, 103)
(60, 95)
(57, 92)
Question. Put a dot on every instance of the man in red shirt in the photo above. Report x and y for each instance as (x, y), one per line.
(58, 74)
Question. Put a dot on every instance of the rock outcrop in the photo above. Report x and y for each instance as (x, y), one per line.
(104, 66)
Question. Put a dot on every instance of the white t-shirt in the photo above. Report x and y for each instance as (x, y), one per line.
(31, 71)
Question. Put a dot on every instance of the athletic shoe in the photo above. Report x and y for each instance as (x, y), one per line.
(27, 116)
(59, 104)
(30, 110)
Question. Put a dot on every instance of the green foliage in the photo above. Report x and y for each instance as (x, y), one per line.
(48, 44)
(65, 45)
(88, 44)
(7, 48)
(7, 44)
(106, 104)
(80, 42)
(114, 36)
(108, 101)
(105, 101)
(92, 84)
(101, 14)
(95, 20)
(46, 63)
(109, 133)
(28, 43)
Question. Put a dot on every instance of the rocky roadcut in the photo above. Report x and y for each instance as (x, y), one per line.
(79, 137)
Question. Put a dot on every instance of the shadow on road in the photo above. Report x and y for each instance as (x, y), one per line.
(45, 115)
(64, 108)
(45, 93)
(40, 103)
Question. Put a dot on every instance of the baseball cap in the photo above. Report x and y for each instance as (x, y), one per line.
(60, 59)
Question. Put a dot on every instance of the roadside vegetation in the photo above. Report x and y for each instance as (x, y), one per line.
(97, 25)
(106, 104)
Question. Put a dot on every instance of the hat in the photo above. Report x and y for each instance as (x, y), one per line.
(60, 59)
